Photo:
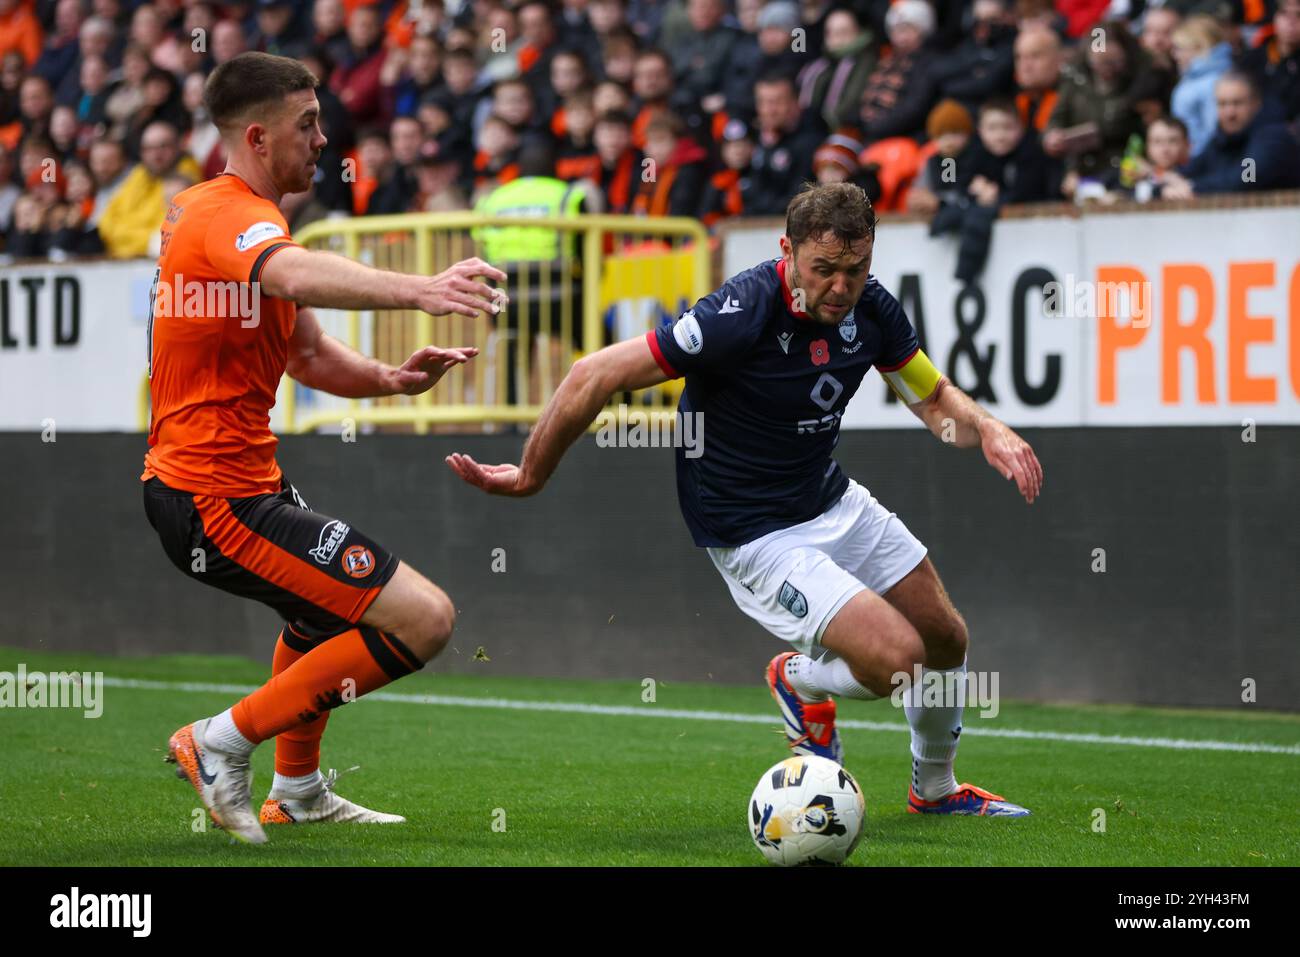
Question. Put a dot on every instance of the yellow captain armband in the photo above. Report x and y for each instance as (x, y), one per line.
(914, 379)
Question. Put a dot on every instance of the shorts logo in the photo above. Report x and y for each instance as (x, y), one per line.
(358, 561)
(792, 600)
(331, 537)
(256, 233)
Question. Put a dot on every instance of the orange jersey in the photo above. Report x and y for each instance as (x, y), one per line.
(217, 347)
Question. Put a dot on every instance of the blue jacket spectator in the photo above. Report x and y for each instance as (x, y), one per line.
(1248, 151)
(1202, 62)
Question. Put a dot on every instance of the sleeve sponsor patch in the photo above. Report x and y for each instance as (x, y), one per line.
(687, 333)
(257, 233)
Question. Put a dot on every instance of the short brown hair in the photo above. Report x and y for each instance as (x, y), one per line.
(841, 209)
(252, 80)
(1001, 104)
(1173, 122)
(667, 123)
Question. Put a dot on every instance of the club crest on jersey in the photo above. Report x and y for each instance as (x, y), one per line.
(688, 334)
(358, 561)
(792, 600)
(331, 537)
(255, 234)
(848, 327)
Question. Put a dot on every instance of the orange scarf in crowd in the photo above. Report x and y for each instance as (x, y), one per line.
(485, 176)
(1041, 114)
(727, 182)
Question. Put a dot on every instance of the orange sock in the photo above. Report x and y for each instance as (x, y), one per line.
(297, 751)
(334, 672)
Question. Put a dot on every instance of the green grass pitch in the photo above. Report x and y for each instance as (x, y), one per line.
(576, 788)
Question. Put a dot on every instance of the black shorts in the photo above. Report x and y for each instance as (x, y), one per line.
(318, 572)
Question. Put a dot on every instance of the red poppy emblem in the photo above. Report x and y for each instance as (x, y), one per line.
(821, 352)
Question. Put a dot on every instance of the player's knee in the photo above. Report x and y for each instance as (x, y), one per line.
(430, 623)
(439, 621)
(946, 642)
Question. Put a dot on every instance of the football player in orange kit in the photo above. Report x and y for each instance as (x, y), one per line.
(356, 617)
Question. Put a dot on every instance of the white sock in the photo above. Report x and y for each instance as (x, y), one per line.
(935, 731)
(302, 786)
(814, 680)
(223, 735)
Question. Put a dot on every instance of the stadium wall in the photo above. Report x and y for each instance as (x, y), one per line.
(1199, 530)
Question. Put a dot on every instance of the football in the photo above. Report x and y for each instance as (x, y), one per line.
(806, 810)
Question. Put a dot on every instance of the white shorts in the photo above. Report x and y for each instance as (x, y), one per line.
(793, 581)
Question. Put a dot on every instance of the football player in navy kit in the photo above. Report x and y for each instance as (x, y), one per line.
(771, 360)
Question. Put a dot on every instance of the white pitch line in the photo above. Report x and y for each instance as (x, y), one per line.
(570, 707)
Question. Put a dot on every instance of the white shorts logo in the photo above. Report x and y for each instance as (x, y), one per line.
(688, 334)
(792, 600)
(331, 537)
(256, 233)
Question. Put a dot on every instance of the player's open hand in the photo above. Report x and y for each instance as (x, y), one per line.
(1012, 457)
(421, 372)
(460, 290)
(493, 479)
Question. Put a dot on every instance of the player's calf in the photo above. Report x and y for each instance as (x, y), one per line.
(921, 598)
(945, 639)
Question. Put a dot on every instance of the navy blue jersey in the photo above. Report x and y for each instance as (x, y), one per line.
(770, 385)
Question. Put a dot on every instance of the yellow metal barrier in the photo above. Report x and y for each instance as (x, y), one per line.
(639, 268)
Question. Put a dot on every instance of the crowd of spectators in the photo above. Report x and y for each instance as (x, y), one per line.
(703, 108)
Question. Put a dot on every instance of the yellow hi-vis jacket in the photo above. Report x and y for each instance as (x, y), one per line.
(541, 196)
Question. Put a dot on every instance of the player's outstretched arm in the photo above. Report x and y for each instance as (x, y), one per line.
(955, 417)
(322, 362)
(586, 390)
(317, 278)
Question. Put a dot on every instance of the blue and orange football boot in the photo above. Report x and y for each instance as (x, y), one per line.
(967, 799)
(809, 727)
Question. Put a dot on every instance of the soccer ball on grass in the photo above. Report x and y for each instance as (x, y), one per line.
(806, 810)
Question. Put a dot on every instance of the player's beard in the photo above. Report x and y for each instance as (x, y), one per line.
(298, 178)
(796, 286)
(809, 308)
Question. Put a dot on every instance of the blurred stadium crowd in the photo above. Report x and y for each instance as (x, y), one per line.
(951, 108)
